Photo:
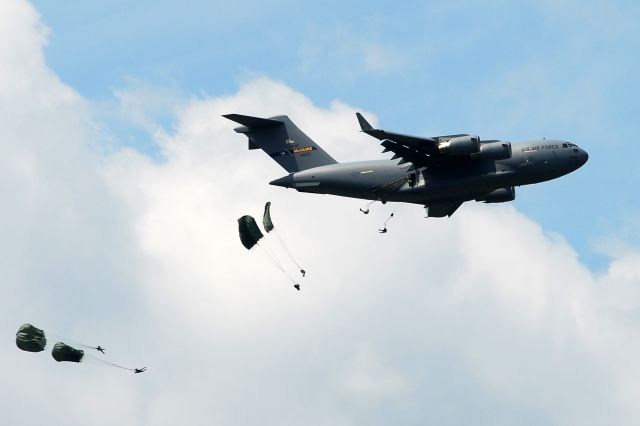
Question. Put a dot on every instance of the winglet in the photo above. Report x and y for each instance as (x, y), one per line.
(364, 124)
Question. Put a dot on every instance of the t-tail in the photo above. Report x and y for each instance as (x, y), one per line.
(283, 141)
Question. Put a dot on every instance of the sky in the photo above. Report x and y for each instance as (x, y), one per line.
(122, 185)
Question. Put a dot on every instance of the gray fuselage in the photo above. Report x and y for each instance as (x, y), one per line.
(531, 162)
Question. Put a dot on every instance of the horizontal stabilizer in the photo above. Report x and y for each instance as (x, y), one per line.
(252, 122)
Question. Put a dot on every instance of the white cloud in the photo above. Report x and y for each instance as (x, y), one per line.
(483, 318)
(368, 377)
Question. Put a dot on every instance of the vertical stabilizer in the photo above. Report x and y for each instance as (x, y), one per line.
(283, 141)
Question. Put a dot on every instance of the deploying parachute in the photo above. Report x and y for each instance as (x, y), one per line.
(62, 352)
(30, 338)
(250, 236)
(267, 223)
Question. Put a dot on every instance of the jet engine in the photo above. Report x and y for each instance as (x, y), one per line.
(493, 151)
(462, 145)
(501, 195)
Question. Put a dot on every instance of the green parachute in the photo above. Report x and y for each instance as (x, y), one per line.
(250, 234)
(30, 338)
(62, 352)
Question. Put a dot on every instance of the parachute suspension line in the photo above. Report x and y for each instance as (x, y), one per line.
(267, 223)
(286, 249)
(366, 208)
(265, 255)
(104, 361)
(388, 219)
(268, 249)
(277, 254)
(62, 338)
(269, 258)
(384, 226)
(116, 365)
(71, 341)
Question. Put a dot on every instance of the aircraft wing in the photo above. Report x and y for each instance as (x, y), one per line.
(418, 154)
(420, 151)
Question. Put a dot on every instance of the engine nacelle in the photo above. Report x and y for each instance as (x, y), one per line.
(494, 151)
(501, 195)
(462, 145)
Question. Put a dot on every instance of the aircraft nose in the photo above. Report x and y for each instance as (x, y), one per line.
(584, 156)
(285, 181)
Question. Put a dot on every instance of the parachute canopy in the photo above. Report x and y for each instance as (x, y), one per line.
(30, 338)
(62, 352)
(250, 234)
(266, 218)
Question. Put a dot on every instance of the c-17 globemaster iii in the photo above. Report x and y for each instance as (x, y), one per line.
(439, 172)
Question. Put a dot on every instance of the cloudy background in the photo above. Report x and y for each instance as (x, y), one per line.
(121, 186)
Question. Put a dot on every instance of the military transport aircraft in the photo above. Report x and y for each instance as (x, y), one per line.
(439, 172)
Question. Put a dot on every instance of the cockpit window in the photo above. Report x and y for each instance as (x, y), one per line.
(564, 145)
(569, 144)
